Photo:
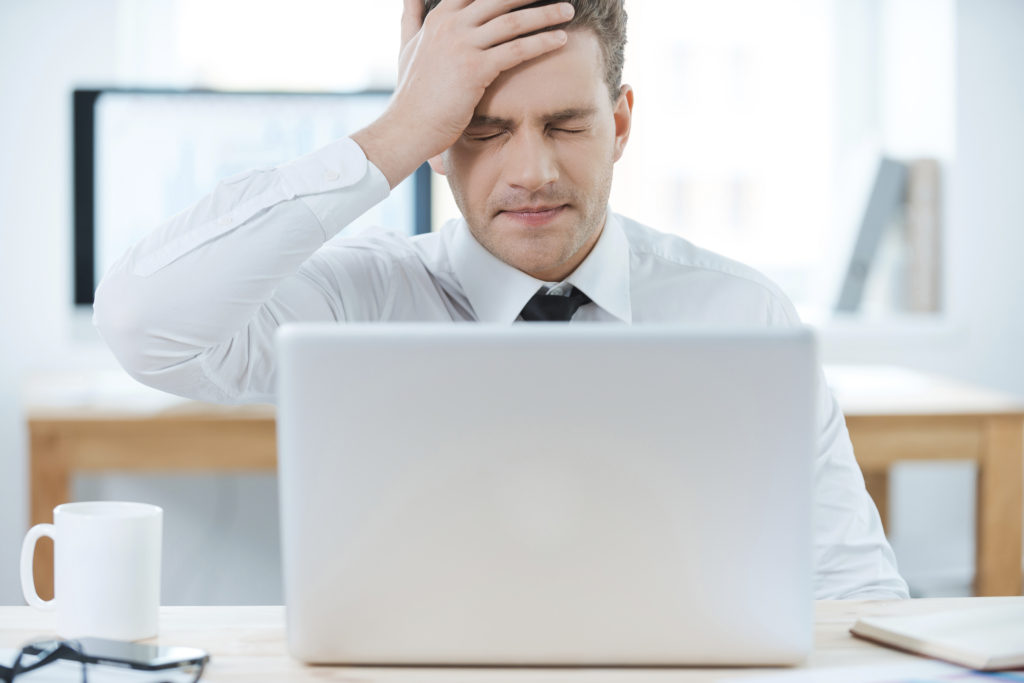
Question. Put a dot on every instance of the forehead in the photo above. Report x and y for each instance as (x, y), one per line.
(571, 76)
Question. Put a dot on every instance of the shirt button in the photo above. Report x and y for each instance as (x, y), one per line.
(332, 175)
(225, 221)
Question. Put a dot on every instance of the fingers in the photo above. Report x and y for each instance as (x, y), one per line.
(514, 24)
(412, 19)
(482, 11)
(514, 52)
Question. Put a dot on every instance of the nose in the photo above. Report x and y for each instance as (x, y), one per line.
(529, 162)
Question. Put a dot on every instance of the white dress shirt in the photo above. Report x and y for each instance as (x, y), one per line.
(192, 309)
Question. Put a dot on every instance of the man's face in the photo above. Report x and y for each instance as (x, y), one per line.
(532, 172)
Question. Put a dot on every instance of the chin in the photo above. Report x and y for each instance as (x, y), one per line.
(532, 251)
(538, 266)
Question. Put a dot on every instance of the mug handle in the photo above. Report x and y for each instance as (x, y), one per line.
(28, 550)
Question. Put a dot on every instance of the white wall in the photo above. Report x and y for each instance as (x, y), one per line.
(986, 237)
(983, 328)
(221, 536)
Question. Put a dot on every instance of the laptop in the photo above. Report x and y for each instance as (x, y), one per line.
(546, 494)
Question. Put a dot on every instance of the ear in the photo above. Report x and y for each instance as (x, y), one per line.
(437, 163)
(623, 119)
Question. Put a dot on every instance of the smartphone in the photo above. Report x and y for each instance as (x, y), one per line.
(138, 655)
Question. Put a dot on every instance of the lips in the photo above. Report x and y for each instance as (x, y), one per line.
(533, 216)
(533, 209)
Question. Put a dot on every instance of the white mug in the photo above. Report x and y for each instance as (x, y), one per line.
(106, 562)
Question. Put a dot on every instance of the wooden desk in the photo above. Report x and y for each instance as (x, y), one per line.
(107, 422)
(248, 644)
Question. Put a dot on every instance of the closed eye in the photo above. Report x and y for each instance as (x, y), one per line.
(484, 136)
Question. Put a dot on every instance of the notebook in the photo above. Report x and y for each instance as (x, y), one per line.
(983, 638)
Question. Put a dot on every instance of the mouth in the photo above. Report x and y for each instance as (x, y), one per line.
(533, 216)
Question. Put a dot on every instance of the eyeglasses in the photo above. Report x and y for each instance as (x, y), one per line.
(37, 655)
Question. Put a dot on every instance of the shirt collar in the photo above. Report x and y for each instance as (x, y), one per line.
(604, 274)
(497, 291)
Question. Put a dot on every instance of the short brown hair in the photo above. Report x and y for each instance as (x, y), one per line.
(606, 18)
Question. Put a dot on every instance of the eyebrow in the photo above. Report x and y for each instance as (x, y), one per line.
(484, 120)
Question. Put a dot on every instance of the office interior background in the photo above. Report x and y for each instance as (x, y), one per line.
(757, 133)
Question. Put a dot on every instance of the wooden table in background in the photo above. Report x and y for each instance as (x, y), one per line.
(105, 422)
(248, 644)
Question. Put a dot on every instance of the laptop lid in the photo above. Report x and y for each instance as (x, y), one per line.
(546, 494)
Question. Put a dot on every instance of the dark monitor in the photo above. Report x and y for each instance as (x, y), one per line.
(141, 156)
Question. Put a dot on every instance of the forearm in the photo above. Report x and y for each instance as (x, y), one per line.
(206, 280)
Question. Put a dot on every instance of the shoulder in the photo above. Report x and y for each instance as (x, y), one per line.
(374, 274)
(379, 246)
(373, 259)
(680, 268)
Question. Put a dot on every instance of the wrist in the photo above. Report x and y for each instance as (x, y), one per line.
(390, 146)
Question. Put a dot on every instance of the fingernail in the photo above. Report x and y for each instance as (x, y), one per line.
(568, 10)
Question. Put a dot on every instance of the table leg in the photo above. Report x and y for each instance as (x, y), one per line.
(1000, 507)
(49, 486)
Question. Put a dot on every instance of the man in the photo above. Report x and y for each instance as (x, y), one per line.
(522, 108)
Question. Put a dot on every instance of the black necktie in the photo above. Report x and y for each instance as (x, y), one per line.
(550, 307)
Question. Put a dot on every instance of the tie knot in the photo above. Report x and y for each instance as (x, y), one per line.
(553, 307)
